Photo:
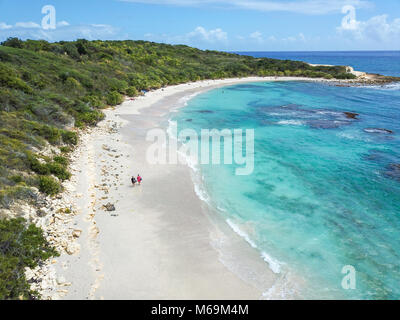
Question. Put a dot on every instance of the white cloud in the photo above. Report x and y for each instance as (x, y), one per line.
(4, 26)
(299, 38)
(200, 37)
(257, 36)
(378, 29)
(62, 24)
(27, 25)
(302, 6)
(290, 39)
(209, 36)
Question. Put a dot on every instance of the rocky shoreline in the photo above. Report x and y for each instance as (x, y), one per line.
(368, 79)
(54, 215)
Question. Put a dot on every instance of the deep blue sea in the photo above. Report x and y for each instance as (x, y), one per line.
(382, 62)
(325, 191)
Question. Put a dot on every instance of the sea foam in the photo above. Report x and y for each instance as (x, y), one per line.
(291, 122)
(274, 264)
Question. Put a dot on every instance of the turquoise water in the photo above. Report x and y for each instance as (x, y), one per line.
(324, 192)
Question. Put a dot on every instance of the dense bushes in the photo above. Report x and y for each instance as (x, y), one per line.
(114, 98)
(14, 43)
(21, 246)
(132, 92)
(69, 137)
(58, 168)
(36, 166)
(49, 185)
(59, 171)
(345, 75)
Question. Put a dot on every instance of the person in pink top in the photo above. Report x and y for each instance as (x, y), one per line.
(139, 179)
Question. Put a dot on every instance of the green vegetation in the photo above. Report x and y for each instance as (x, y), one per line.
(49, 185)
(21, 246)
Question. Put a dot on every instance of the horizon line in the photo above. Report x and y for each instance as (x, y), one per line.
(234, 51)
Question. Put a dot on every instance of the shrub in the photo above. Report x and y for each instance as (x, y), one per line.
(94, 101)
(9, 79)
(117, 85)
(73, 85)
(71, 50)
(21, 246)
(81, 45)
(345, 76)
(114, 98)
(65, 149)
(61, 160)
(49, 185)
(69, 137)
(89, 118)
(13, 42)
(52, 134)
(36, 166)
(328, 76)
(59, 171)
(132, 92)
(16, 179)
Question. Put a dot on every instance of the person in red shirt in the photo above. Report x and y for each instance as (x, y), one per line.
(139, 179)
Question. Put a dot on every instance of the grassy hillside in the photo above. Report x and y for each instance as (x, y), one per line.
(47, 90)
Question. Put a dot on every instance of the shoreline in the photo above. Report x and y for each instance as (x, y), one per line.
(159, 243)
(184, 262)
(178, 241)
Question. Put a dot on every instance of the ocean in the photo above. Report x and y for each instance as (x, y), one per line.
(324, 194)
(382, 62)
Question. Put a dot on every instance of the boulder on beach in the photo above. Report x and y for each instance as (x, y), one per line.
(109, 207)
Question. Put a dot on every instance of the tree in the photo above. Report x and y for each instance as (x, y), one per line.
(81, 45)
(13, 42)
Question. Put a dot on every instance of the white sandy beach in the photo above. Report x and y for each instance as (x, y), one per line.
(162, 241)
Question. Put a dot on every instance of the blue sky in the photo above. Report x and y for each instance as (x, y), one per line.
(235, 25)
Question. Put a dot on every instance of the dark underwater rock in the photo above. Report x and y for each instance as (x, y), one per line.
(314, 118)
(351, 115)
(327, 124)
(394, 171)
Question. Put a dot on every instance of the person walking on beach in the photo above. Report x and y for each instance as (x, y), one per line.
(139, 179)
(133, 180)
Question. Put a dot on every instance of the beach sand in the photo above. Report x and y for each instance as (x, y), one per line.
(162, 241)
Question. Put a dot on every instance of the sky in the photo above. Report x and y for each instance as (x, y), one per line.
(230, 25)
